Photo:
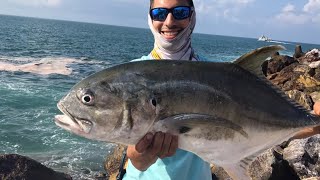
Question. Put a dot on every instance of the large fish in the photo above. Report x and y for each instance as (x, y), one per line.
(226, 113)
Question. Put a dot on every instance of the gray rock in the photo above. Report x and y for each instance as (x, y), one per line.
(261, 168)
(299, 160)
(311, 56)
(298, 52)
(317, 74)
(315, 64)
(14, 166)
(315, 96)
(303, 156)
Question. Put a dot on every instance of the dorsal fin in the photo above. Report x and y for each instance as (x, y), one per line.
(253, 60)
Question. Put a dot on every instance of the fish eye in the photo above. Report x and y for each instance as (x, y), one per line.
(87, 98)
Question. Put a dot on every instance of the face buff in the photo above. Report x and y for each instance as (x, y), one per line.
(178, 48)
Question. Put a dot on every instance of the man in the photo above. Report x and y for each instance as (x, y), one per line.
(156, 156)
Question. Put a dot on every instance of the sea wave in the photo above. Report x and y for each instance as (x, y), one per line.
(48, 65)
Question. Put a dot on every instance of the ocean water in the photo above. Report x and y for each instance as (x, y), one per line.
(28, 101)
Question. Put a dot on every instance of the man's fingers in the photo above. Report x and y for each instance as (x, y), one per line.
(144, 143)
(165, 145)
(157, 143)
(173, 146)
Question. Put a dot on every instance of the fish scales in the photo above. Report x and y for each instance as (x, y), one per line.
(224, 83)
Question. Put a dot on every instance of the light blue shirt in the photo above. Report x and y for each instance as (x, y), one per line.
(183, 165)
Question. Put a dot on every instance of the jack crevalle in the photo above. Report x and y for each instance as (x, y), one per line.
(226, 113)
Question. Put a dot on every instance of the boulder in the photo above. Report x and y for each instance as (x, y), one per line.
(261, 167)
(303, 156)
(298, 52)
(316, 74)
(299, 160)
(278, 62)
(285, 79)
(14, 166)
(315, 96)
(301, 98)
(311, 56)
(218, 172)
(114, 160)
(314, 64)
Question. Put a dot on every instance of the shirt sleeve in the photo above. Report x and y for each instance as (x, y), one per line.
(143, 58)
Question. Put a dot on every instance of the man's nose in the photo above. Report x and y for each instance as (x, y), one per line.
(170, 20)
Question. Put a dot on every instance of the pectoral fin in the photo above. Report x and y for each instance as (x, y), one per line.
(203, 125)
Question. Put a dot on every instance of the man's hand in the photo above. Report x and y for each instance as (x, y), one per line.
(316, 108)
(310, 131)
(150, 148)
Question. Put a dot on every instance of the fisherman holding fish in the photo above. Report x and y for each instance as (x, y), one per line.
(156, 155)
(213, 108)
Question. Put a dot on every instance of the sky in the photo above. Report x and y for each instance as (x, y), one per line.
(284, 20)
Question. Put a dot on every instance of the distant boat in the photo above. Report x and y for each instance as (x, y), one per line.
(264, 38)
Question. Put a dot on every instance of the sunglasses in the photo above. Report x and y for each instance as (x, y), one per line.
(179, 13)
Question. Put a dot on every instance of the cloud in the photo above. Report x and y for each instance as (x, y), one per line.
(292, 18)
(313, 6)
(289, 15)
(227, 4)
(227, 9)
(288, 8)
(143, 2)
(233, 3)
(37, 3)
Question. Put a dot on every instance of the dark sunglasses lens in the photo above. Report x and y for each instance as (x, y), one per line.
(159, 14)
(180, 13)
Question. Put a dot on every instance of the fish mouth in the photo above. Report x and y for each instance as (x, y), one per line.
(71, 123)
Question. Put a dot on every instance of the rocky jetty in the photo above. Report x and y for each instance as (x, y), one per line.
(299, 78)
(13, 166)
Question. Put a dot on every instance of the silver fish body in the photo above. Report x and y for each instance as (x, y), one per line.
(220, 111)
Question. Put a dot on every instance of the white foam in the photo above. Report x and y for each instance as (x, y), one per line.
(44, 66)
(279, 42)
